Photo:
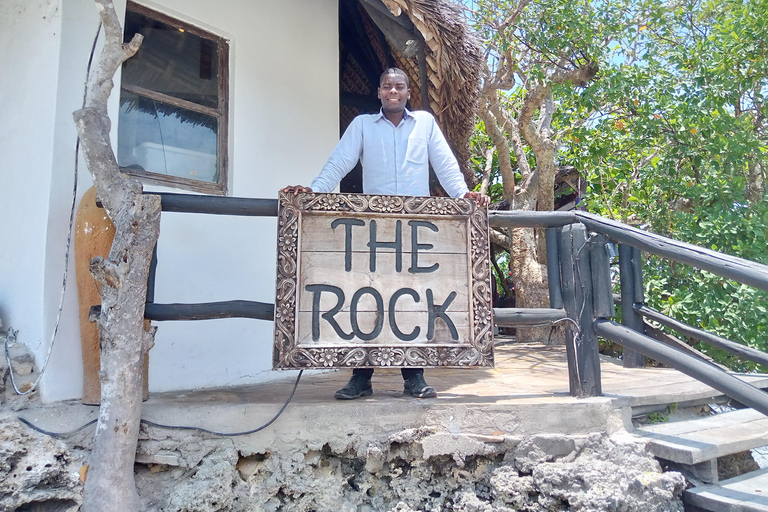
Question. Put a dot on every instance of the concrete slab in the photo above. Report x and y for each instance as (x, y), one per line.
(527, 393)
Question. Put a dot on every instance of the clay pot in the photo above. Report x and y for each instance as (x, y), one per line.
(94, 233)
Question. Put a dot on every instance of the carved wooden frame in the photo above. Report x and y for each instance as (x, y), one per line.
(288, 355)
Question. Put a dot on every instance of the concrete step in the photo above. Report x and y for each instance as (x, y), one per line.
(705, 439)
(745, 493)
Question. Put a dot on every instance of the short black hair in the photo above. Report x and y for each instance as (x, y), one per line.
(394, 71)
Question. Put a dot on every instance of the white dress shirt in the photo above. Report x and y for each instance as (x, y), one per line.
(395, 158)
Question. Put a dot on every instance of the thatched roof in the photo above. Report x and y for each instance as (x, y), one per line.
(454, 63)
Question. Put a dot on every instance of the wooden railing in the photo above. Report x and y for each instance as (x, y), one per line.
(582, 265)
(580, 293)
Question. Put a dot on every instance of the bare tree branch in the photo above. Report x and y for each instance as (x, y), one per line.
(496, 133)
(487, 170)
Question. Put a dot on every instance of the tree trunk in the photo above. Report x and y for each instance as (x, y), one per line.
(110, 483)
(529, 276)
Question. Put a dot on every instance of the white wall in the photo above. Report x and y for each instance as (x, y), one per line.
(283, 125)
(30, 33)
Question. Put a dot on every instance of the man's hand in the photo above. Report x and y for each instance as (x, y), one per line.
(296, 189)
(482, 199)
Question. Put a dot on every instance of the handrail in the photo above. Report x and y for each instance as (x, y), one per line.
(529, 219)
(733, 347)
(217, 205)
(702, 371)
(732, 267)
(511, 317)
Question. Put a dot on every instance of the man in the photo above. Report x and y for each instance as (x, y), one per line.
(396, 147)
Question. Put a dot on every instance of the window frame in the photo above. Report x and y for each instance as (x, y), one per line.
(221, 113)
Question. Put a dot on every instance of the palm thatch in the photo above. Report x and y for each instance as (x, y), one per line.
(454, 64)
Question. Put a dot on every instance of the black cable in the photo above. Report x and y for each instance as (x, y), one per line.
(179, 427)
(57, 435)
(230, 434)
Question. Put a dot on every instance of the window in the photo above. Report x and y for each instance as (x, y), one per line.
(173, 104)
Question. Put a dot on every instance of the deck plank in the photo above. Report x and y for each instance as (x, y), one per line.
(745, 493)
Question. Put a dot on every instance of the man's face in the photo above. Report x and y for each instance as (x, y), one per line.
(394, 93)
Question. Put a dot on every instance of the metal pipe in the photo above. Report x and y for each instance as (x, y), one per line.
(727, 384)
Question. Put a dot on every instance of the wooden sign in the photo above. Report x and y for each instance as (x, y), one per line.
(370, 281)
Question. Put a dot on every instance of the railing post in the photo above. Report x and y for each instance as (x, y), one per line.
(637, 274)
(553, 269)
(602, 290)
(581, 346)
(629, 317)
(151, 276)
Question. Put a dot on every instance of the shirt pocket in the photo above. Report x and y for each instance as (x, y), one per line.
(417, 152)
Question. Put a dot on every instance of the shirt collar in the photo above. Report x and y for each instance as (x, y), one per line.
(406, 114)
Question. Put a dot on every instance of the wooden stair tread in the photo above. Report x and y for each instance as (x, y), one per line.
(703, 439)
(745, 493)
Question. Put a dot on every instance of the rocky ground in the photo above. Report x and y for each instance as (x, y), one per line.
(418, 470)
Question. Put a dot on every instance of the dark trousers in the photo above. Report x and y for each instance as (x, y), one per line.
(407, 372)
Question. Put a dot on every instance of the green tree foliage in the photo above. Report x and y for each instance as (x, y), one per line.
(679, 147)
(671, 135)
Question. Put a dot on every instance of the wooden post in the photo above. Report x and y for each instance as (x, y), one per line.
(629, 317)
(601, 277)
(151, 279)
(581, 347)
(553, 269)
(637, 275)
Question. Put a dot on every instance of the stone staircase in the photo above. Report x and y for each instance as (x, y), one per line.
(694, 446)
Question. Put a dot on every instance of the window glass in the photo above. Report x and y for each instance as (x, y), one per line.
(160, 138)
(172, 61)
(172, 128)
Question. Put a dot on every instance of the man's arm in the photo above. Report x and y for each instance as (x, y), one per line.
(447, 168)
(343, 159)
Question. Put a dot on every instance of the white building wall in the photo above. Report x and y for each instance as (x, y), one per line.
(283, 125)
(30, 34)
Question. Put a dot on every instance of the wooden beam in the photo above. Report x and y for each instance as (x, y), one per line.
(403, 39)
(378, 5)
(529, 219)
(512, 317)
(553, 269)
(189, 203)
(701, 335)
(679, 344)
(629, 317)
(601, 277)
